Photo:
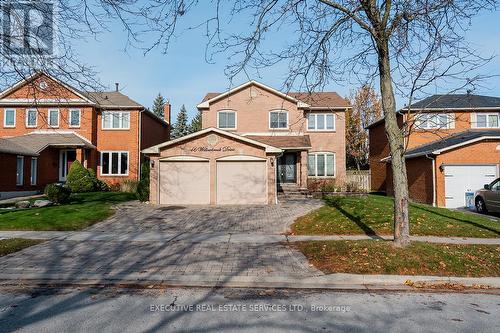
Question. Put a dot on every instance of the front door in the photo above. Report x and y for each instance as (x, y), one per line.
(66, 158)
(287, 168)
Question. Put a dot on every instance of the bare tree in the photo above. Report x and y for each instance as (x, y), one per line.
(404, 45)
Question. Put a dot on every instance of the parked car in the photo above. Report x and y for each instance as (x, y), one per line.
(487, 199)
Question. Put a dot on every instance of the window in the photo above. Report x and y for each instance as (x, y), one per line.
(9, 118)
(115, 120)
(226, 119)
(434, 120)
(321, 122)
(54, 117)
(20, 170)
(74, 117)
(321, 165)
(31, 117)
(278, 119)
(114, 163)
(34, 170)
(487, 120)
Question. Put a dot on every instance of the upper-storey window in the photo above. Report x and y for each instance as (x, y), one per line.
(54, 117)
(9, 118)
(115, 120)
(74, 117)
(434, 120)
(278, 119)
(226, 119)
(321, 122)
(31, 117)
(487, 120)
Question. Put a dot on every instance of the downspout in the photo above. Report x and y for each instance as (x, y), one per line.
(139, 136)
(433, 179)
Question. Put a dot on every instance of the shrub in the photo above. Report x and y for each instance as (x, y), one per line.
(142, 193)
(129, 186)
(80, 179)
(323, 185)
(57, 193)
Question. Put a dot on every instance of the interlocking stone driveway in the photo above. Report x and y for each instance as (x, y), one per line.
(180, 258)
(269, 219)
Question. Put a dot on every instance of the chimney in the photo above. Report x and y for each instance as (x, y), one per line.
(117, 85)
(166, 111)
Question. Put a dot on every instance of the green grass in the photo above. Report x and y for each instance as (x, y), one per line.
(83, 210)
(373, 215)
(380, 257)
(11, 245)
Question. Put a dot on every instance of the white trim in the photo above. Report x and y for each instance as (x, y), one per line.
(156, 149)
(27, 118)
(22, 171)
(5, 117)
(33, 176)
(439, 151)
(110, 152)
(278, 128)
(120, 117)
(206, 104)
(241, 158)
(235, 119)
(79, 118)
(183, 158)
(325, 153)
(58, 117)
(324, 114)
(272, 133)
(42, 101)
(34, 76)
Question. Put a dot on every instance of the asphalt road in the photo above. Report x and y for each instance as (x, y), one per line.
(244, 310)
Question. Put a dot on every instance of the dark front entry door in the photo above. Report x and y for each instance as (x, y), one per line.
(287, 168)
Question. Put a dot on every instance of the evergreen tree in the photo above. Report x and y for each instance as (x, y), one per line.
(158, 105)
(195, 125)
(181, 127)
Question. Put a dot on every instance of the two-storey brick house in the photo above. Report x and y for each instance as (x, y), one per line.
(46, 124)
(255, 142)
(453, 148)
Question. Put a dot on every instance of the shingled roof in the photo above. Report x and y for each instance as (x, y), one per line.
(452, 140)
(284, 141)
(9, 147)
(457, 101)
(112, 99)
(36, 142)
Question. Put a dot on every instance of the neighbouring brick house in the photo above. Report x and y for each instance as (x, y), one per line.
(453, 148)
(46, 124)
(255, 142)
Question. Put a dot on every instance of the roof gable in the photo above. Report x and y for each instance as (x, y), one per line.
(156, 149)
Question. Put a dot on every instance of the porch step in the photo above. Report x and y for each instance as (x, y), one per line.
(291, 192)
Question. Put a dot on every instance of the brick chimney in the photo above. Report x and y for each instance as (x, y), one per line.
(166, 111)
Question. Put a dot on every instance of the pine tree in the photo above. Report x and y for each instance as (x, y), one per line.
(158, 105)
(181, 127)
(195, 125)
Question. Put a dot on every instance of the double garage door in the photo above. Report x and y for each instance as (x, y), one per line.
(236, 182)
(459, 179)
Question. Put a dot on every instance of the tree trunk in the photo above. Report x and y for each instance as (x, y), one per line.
(396, 144)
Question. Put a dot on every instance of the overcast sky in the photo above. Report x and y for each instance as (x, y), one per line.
(184, 77)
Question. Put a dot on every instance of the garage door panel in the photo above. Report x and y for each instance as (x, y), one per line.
(460, 179)
(184, 183)
(242, 182)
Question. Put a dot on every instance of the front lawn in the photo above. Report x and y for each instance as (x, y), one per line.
(373, 215)
(83, 210)
(11, 245)
(380, 257)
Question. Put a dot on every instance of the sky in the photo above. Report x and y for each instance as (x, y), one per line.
(183, 76)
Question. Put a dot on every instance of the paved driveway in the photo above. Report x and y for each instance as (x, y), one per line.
(182, 257)
(268, 219)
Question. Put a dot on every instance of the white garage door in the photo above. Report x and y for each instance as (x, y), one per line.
(459, 179)
(241, 182)
(185, 183)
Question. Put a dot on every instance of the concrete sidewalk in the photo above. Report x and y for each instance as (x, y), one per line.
(217, 237)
